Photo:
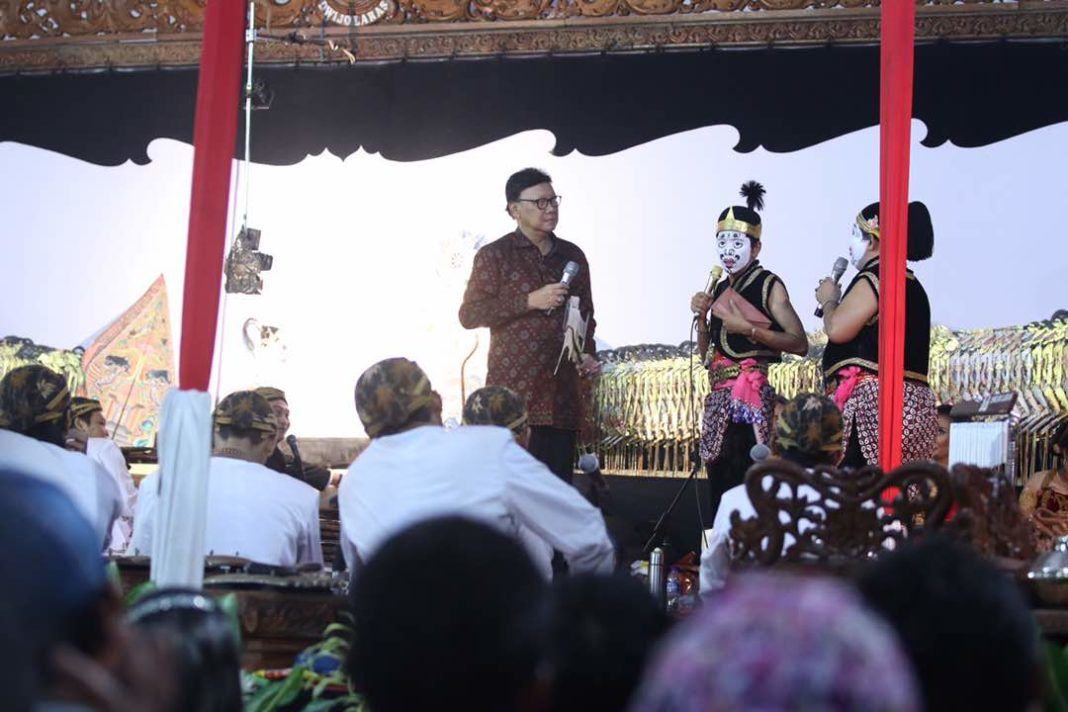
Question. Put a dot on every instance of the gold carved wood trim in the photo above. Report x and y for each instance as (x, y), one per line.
(128, 34)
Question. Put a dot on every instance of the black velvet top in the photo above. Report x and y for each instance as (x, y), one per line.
(863, 349)
(753, 284)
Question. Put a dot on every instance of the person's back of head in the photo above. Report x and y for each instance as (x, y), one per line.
(499, 406)
(601, 632)
(778, 642)
(54, 585)
(808, 431)
(35, 402)
(245, 427)
(203, 645)
(395, 395)
(449, 616)
(966, 626)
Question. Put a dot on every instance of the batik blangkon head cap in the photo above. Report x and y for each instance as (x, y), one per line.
(84, 407)
(246, 412)
(496, 405)
(389, 392)
(811, 424)
(33, 395)
(270, 393)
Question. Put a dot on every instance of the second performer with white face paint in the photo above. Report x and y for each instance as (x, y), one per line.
(745, 324)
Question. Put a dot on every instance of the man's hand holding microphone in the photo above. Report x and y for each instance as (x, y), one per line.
(548, 297)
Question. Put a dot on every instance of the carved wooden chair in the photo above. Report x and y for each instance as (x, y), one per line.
(832, 518)
(989, 515)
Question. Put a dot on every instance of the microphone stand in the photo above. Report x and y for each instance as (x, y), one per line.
(658, 528)
(695, 453)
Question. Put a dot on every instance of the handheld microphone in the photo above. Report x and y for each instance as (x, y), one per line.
(759, 452)
(590, 466)
(589, 463)
(291, 440)
(713, 279)
(837, 271)
(571, 270)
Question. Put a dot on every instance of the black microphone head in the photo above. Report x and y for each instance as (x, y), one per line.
(839, 268)
(759, 452)
(292, 441)
(571, 270)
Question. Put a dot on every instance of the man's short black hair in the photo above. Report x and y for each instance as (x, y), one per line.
(965, 625)
(602, 629)
(449, 616)
(425, 415)
(520, 181)
(229, 432)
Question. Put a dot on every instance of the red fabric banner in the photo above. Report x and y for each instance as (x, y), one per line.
(214, 136)
(895, 115)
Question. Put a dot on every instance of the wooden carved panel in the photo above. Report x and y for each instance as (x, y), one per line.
(76, 34)
(26, 19)
(990, 517)
(834, 518)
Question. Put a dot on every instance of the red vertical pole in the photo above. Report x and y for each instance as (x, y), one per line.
(895, 115)
(214, 135)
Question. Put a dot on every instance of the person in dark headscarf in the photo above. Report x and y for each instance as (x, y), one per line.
(780, 642)
(746, 324)
(851, 359)
(35, 417)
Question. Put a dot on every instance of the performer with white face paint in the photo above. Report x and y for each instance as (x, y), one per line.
(851, 359)
(745, 325)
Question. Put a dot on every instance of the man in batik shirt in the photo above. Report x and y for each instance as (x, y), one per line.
(515, 290)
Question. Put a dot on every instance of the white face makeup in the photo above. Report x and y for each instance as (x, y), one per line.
(735, 250)
(858, 245)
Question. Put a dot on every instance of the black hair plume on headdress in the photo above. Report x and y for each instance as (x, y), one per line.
(753, 193)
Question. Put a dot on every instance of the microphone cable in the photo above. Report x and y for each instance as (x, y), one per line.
(695, 452)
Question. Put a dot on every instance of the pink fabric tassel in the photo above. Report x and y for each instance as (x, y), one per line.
(746, 405)
(848, 378)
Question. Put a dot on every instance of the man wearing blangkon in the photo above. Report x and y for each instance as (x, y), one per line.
(515, 289)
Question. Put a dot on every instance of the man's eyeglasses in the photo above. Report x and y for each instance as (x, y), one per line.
(542, 203)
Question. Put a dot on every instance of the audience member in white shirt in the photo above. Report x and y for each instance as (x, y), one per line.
(503, 407)
(414, 469)
(35, 415)
(253, 512)
(89, 422)
(808, 432)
